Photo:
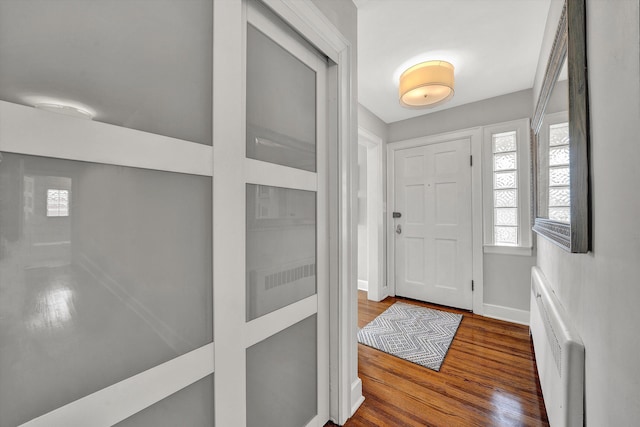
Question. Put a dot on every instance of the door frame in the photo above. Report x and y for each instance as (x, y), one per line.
(377, 288)
(304, 17)
(474, 135)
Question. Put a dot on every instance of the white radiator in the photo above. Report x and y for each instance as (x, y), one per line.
(559, 355)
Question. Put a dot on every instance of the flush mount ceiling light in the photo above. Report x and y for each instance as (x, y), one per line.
(426, 84)
(68, 110)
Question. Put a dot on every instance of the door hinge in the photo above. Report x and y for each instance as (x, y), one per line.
(470, 160)
(472, 286)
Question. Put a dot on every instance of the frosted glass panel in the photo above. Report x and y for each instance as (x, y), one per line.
(139, 64)
(281, 247)
(559, 176)
(559, 197)
(505, 180)
(282, 378)
(504, 161)
(559, 134)
(281, 105)
(505, 198)
(504, 142)
(506, 216)
(190, 407)
(559, 156)
(560, 214)
(119, 285)
(506, 235)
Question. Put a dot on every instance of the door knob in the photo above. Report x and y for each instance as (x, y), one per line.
(398, 229)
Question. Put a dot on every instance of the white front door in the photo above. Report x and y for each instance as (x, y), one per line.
(433, 234)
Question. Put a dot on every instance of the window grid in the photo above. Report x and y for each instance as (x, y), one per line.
(57, 202)
(559, 193)
(505, 188)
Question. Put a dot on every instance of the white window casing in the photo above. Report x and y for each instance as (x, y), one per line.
(507, 202)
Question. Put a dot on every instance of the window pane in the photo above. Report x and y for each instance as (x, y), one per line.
(559, 176)
(119, 286)
(504, 142)
(506, 235)
(560, 214)
(282, 132)
(58, 200)
(282, 377)
(559, 197)
(559, 156)
(190, 407)
(504, 161)
(505, 180)
(505, 198)
(506, 216)
(559, 134)
(281, 248)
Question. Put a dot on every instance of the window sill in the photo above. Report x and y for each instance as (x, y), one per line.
(508, 250)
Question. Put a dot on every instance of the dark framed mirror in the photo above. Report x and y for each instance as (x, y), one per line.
(560, 134)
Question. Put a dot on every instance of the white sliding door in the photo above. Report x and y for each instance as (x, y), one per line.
(286, 226)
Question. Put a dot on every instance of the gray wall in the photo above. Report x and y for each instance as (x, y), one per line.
(600, 290)
(503, 108)
(507, 280)
(506, 277)
(369, 121)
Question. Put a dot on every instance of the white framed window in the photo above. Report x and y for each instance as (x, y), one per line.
(57, 202)
(507, 188)
(554, 135)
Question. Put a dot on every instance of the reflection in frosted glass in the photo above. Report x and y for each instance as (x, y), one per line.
(506, 216)
(559, 176)
(504, 161)
(559, 197)
(505, 180)
(505, 198)
(282, 377)
(58, 201)
(559, 134)
(190, 407)
(142, 64)
(504, 142)
(121, 284)
(281, 248)
(506, 235)
(281, 105)
(559, 156)
(560, 214)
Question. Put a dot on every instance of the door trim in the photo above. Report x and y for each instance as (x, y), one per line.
(474, 135)
(377, 288)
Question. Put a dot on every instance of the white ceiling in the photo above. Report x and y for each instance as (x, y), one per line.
(494, 46)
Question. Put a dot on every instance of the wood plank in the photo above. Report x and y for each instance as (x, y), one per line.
(487, 379)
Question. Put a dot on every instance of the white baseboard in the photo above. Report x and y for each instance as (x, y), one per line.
(363, 285)
(506, 313)
(356, 396)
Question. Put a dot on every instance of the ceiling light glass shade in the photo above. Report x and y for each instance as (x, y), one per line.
(426, 84)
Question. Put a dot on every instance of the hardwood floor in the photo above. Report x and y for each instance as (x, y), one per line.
(488, 378)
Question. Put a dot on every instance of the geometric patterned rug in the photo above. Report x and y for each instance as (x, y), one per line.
(418, 334)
